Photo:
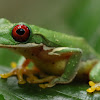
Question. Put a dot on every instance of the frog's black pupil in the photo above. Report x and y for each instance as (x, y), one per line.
(20, 31)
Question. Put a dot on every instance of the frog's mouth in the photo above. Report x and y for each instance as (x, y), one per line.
(28, 45)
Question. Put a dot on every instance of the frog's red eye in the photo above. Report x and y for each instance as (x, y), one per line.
(21, 33)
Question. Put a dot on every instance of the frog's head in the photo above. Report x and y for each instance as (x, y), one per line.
(16, 34)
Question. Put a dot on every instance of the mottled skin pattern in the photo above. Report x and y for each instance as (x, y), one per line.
(57, 56)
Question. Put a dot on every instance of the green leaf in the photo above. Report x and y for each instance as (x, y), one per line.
(76, 90)
(1, 97)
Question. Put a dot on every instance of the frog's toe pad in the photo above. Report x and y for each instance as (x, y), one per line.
(46, 85)
(94, 87)
(13, 64)
(6, 75)
(21, 81)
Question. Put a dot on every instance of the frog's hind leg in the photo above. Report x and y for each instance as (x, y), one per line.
(72, 57)
(71, 66)
(94, 76)
(43, 78)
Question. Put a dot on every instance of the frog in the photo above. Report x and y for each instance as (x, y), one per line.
(57, 57)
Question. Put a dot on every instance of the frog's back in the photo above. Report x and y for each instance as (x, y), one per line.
(65, 40)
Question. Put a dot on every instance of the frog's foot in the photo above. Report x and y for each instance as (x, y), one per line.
(19, 72)
(16, 71)
(94, 87)
(6, 75)
(47, 81)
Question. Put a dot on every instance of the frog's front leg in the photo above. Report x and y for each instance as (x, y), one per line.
(71, 66)
(94, 76)
(20, 71)
(22, 63)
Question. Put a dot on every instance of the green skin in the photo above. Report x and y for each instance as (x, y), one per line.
(63, 44)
